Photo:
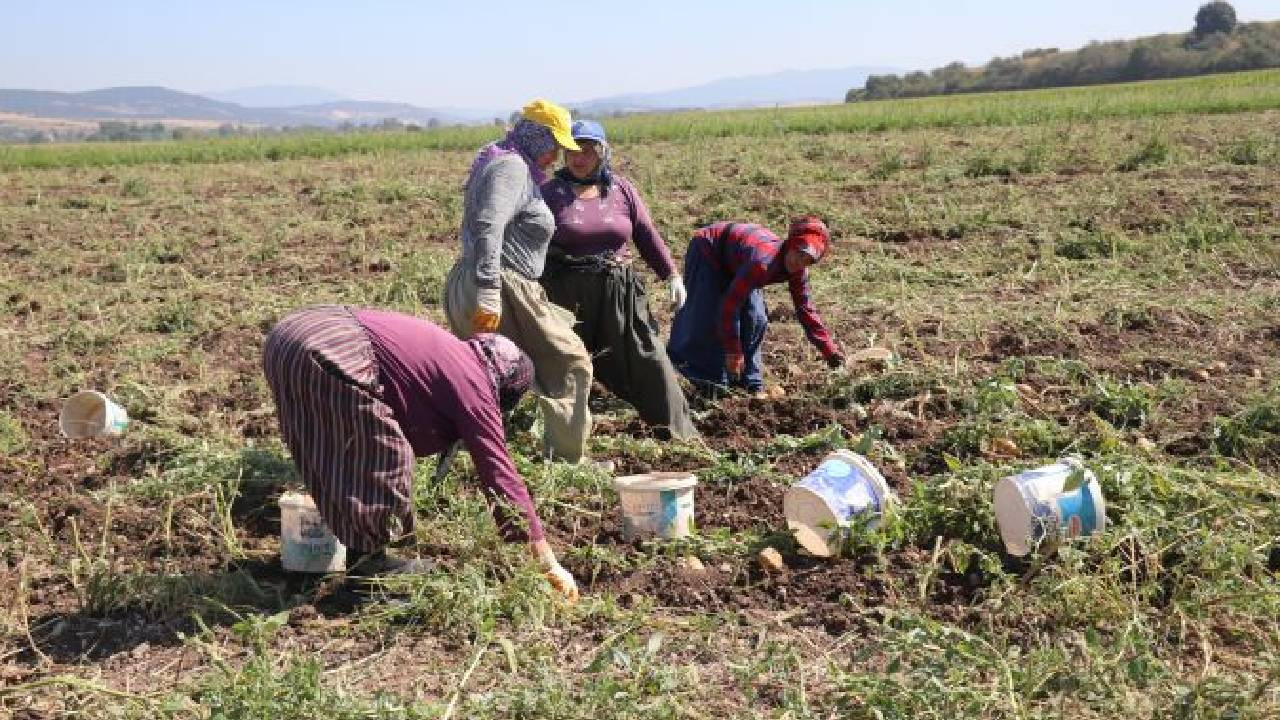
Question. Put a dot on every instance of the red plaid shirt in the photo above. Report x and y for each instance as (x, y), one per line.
(753, 257)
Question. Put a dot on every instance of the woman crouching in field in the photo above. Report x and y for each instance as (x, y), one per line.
(717, 336)
(599, 212)
(361, 393)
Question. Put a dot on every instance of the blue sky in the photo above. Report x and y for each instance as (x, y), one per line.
(498, 53)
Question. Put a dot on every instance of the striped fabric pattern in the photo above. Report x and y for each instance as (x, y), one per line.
(345, 442)
(752, 258)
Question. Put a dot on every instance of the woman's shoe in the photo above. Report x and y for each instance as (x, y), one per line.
(380, 563)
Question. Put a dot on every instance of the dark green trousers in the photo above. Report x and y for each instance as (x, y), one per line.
(628, 354)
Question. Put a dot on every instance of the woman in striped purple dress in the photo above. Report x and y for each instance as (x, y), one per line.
(361, 393)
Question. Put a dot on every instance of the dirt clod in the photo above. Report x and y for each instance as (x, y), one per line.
(691, 563)
(771, 561)
(877, 356)
(1004, 448)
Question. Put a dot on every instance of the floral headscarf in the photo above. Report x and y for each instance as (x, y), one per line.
(510, 370)
(527, 139)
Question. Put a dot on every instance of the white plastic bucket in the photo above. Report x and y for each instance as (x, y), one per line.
(845, 485)
(306, 543)
(656, 504)
(89, 413)
(1032, 507)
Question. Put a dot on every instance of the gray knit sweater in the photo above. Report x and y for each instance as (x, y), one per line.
(505, 223)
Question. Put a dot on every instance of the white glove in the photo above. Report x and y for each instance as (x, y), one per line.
(489, 300)
(678, 293)
(563, 581)
(555, 573)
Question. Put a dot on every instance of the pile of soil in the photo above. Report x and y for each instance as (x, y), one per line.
(745, 422)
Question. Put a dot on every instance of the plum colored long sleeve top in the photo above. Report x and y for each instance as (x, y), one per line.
(438, 389)
(753, 257)
(595, 226)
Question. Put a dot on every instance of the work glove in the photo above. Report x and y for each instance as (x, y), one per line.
(488, 311)
(484, 321)
(835, 361)
(734, 364)
(563, 582)
(678, 293)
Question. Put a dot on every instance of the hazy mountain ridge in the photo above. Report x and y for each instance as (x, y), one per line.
(785, 87)
(140, 103)
(157, 103)
(273, 106)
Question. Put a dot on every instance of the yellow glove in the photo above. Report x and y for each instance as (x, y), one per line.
(563, 582)
(484, 321)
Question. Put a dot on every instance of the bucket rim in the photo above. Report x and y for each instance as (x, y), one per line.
(810, 519)
(293, 498)
(655, 481)
(76, 429)
(1099, 504)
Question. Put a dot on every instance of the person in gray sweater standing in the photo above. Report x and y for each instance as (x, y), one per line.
(493, 286)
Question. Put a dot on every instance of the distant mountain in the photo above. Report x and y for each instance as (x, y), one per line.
(782, 88)
(275, 96)
(153, 104)
(277, 106)
(122, 103)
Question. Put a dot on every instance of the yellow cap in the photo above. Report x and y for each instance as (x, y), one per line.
(554, 118)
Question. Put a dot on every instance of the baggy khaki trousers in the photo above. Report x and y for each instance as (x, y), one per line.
(544, 331)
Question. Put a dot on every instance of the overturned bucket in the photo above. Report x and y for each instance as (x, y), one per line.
(89, 413)
(1048, 504)
(306, 543)
(656, 504)
(843, 487)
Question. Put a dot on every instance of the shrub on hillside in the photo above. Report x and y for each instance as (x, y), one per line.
(1216, 44)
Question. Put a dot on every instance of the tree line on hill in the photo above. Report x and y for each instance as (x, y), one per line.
(1217, 43)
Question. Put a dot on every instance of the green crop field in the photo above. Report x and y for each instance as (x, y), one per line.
(1092, 271)
(1233, 93)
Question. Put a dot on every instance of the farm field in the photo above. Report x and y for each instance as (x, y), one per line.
(1105, 283)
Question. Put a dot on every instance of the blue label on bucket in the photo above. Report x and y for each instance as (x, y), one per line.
(846, 490)
(322, 549)
(669, 509)
(1079, 514)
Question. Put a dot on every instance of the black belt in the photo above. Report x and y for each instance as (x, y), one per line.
(603, 262)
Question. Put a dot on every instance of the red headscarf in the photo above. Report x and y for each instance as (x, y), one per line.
(810, 236)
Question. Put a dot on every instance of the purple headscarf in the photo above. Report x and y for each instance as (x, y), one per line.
(527, 139)
(510, 370)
